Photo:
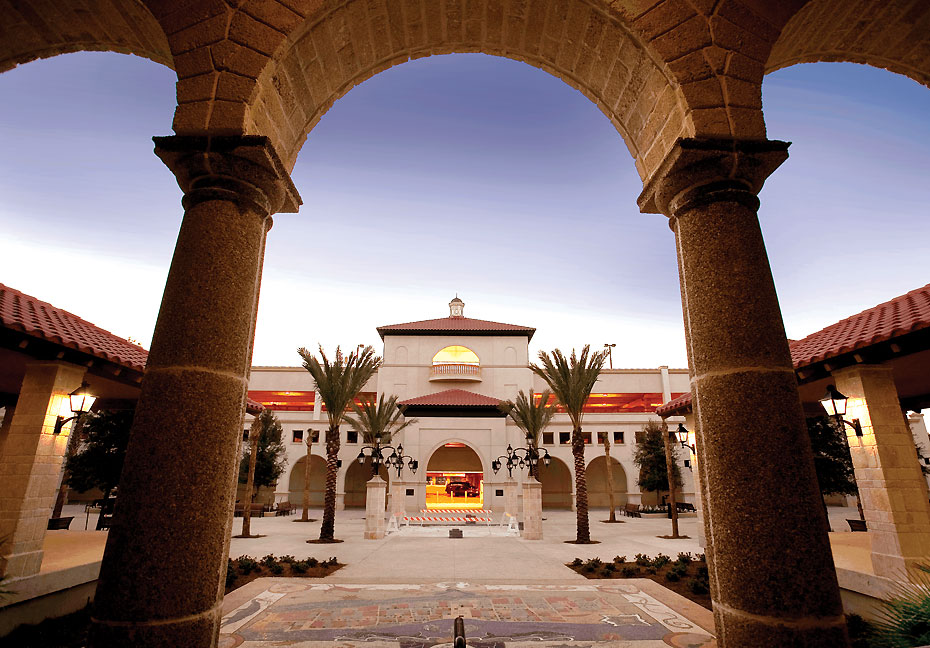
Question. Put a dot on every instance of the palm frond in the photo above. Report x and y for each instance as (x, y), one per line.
(529, 413)
(572, 378)
(382, 417)
(904, 620)
(341, 379)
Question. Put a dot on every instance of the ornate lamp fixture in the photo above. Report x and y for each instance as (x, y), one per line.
(521, 457)
(394, 460)
(834, 403)
(80, 401)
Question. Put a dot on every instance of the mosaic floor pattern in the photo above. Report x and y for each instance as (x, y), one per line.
(421, 616)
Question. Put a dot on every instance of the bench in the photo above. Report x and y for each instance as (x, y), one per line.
(257, 509)
(632, 510)
(685, 507)
(284, 508)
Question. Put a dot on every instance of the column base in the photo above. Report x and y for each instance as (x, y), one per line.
(22, 564)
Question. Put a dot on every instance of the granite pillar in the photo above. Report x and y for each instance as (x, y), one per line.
(772, 577)
(511, 498)
(532, 510)
(31, 463)
(161, 581)
(398, 499)
(891, 485)
(374, 508)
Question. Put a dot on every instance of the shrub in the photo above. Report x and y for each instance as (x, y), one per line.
(313, 562)
(698, 586)
(277, 569)
(577, 562)
(701, 557)
(660, 561)
(300, 567)
(589, 568)
(269, 561)
(685, 558)
(629, 571)
(672, 576)
(702, 572)
(642, 560)
(231, 574)
(619, 559)
(609, 567)
(247, 564)
(287, 559)
(904, 619)
(651, 570)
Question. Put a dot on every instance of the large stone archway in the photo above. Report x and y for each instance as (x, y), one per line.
(681, 83)
(356, 479)
(454, 462)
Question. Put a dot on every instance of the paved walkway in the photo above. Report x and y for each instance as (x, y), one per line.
(293, 612)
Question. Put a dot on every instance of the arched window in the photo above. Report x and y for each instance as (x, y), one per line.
(456, 354)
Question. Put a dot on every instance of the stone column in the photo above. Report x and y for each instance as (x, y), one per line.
(532, 510)
(891, 485)
(161, 581)
(398, 499)
(511, 497)
(31, 462)
(374, 508)
(772, 577)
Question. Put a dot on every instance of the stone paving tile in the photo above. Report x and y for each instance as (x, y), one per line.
(420, 616)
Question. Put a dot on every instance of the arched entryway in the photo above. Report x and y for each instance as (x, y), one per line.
(454, 477)
(596, 474)
(357, 476)
(295, 486)
(556, 481)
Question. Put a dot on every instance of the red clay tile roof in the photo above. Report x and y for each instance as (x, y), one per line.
(905, 314)
(901, 315)
(456, 324)
(453, 398)
(675, 406)
(21, 312)
(253, 406)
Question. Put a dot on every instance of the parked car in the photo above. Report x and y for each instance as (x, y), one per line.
(459, 488)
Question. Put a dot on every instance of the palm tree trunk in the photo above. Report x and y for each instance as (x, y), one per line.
(306, 502)
(610, 481)
(327, 528)
(250, 483)
(670, 469)
(581, 489)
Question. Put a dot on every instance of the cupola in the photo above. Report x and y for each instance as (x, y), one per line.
(456, 307)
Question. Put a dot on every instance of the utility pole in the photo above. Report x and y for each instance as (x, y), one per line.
(610, 356)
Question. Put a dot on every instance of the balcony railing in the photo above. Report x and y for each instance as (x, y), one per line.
(455, 371)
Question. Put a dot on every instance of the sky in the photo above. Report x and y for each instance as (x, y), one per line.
(462, 174)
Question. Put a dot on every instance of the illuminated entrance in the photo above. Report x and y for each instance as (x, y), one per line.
(454, 478)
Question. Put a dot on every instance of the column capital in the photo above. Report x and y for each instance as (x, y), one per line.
(698, 169)
(240, 168)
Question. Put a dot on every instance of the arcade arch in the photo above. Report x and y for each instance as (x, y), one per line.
(672, 71)
(556, 479)
(454, 477)
(596, 475)
(356, 480)
(295, 487)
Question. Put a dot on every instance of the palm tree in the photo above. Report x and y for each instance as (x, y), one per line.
(378, 422)
(338, 382)
(532, 416)
(305, 516)
(610, 479)
(571, 380)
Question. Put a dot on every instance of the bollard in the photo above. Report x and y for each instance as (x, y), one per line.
(458, 633)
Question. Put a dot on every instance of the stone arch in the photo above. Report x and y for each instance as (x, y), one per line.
(583, 42)
(510, 356)
(295, 486)
(895, 37)
(36, 30)
(556, 479)
(468, 457)
(400, 355)
(356, 478)
(596, 475)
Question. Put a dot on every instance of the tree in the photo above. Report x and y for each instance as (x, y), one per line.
(338, 383)
(610, 479)
(381, 418)
(263, 462)
(571, 380)
(649, 457)
(305, 516)
(532, 415)
(99, 460)
(832, 462)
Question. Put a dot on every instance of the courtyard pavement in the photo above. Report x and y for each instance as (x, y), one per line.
(405, 590)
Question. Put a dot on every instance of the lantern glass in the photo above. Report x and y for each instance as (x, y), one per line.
(682, 433)
(81, 400)
(834, 402)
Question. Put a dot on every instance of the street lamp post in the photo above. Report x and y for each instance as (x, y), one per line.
(610, 357)
(521, 458)
(834, 403)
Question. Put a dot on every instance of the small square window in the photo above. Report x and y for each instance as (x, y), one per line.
(315, 436)
(351, 436)
(618, 437)
(548, 438)
(687, 463)
(245, 435)
(565, 438)
(587, 437)
(298, 436)
(498, 492)
(600, 438)
(409, 492)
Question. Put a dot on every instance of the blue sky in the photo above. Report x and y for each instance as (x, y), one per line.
(462, 174)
